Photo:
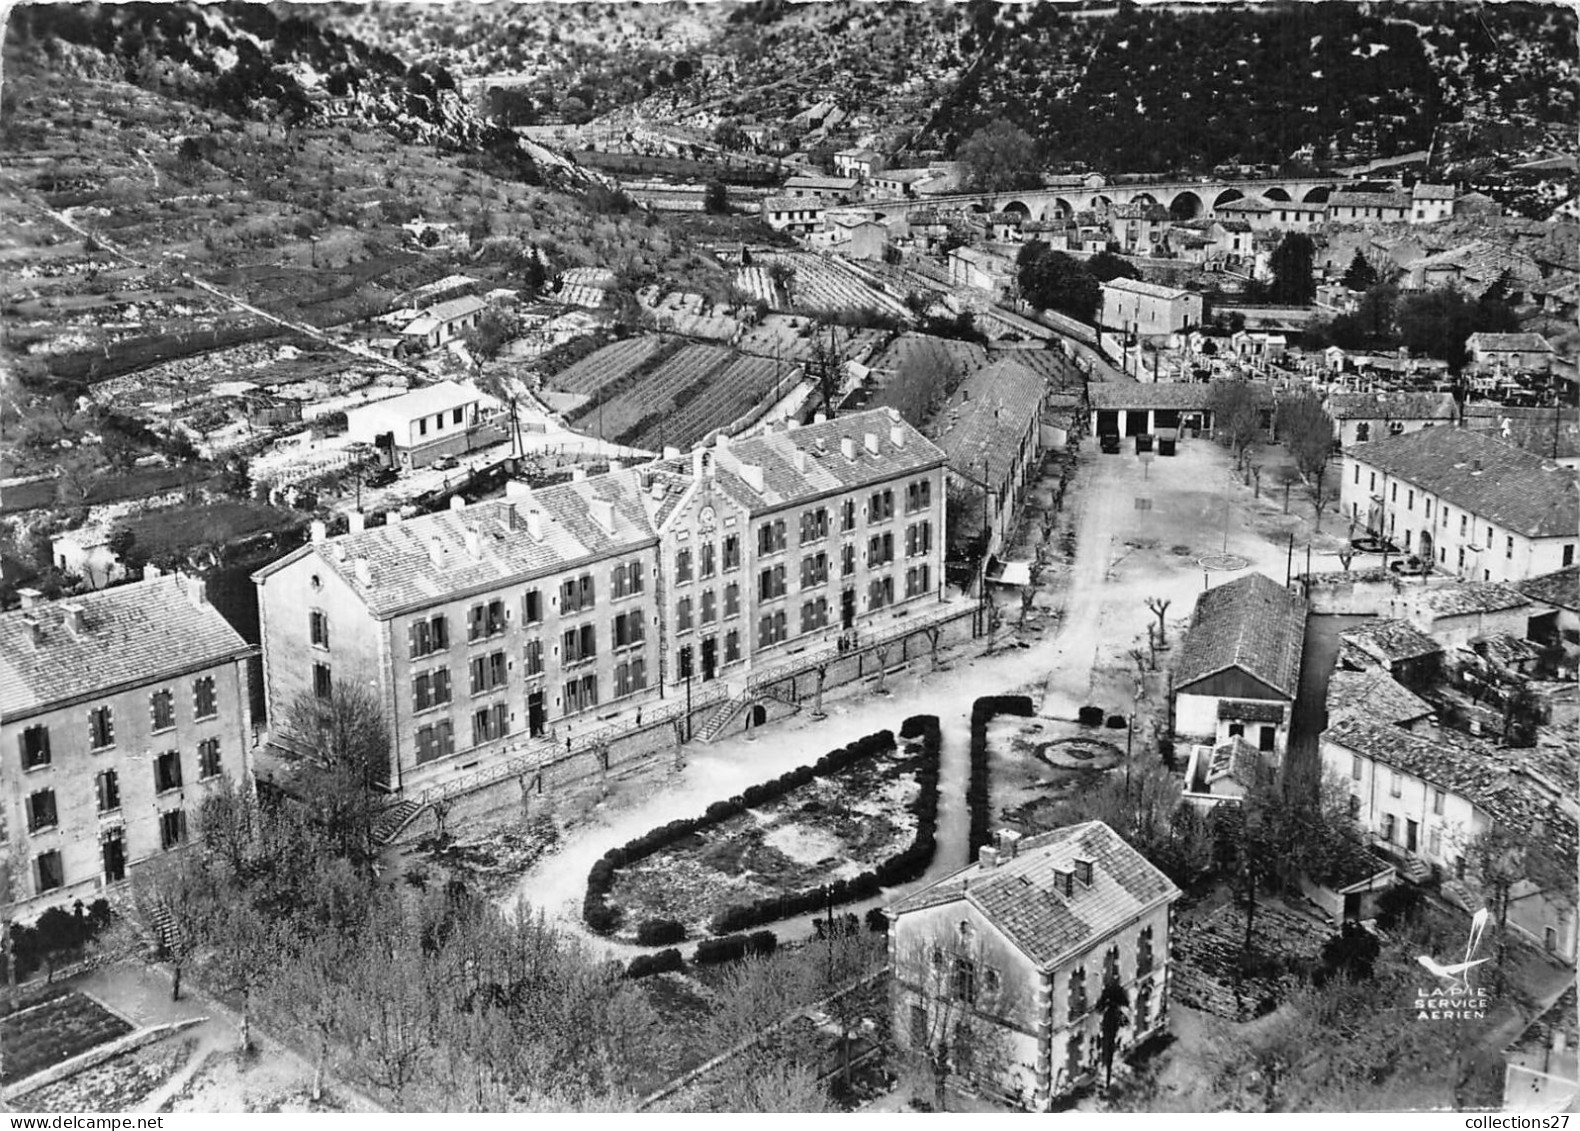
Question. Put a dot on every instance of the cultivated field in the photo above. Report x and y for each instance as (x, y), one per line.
(818, 285)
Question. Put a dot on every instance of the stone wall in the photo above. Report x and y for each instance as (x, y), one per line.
(1357, 592)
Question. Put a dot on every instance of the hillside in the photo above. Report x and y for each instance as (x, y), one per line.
(1161, 88)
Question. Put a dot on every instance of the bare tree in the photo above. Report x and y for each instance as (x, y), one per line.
(1237, 421)
(1308, 435)
(1160, 608)
(346, 746)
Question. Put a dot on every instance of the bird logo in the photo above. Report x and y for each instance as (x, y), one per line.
(1455, 977)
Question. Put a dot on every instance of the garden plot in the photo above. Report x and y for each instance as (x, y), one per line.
(790, 339)
(826, 286)
(606, 366)
(830, 829)
(692, 314)
(123, 1083)
(1036, 764)
(1214, 973)
(57, 1030)
(746, 383)
(641, 408)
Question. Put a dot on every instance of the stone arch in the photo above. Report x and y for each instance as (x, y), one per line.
(1318, 195)
(1276, 193)
(1062, 209)
(1017, 206)
(756, 715)
(1145, 200)
(979, 207)
(1101, 204)
(1227, 196)
(1186, 206)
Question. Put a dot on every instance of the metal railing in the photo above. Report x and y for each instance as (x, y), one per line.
(865, 642)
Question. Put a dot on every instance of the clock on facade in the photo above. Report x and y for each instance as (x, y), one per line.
(705, 516)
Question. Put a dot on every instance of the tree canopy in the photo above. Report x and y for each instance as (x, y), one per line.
(1291, 263)
(1052, 280)
(1000, 157)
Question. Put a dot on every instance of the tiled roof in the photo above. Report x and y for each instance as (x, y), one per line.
(1236, 760)
(1146, 290)
(1186, 396)
(1245, 204)
(1019, 896)
(1513, 488)
(1560, 588)
(988, 414)
(1252, 623)
(1369, 200)
(827, 470)
(1251, 710)
(1509, 343)
(1392, 406)
(1373, 695)
(1479, 773)
(1465, 597)
(423, 560)
(1505, 649)
(131, 634)
(455, 308)
(793, 204)
(1388, 640)
(1424, 191)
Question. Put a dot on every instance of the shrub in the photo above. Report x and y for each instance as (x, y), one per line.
(762, 942)
(646, 965)
(1117, 722)
(660, 932)
(731, 948)
(918, 726)
(877, 921)
(1090, 716)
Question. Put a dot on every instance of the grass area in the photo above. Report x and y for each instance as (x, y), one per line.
(138, 483)
(120, 1084)
(61, 1028)
(173, 530)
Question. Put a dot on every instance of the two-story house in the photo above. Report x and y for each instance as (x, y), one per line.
(119, 712)
(479, 628)
(1239, 665)
(1001, 965)
(1468, 503)
(1425, 799)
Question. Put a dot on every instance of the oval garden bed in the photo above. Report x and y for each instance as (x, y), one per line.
(864, 816)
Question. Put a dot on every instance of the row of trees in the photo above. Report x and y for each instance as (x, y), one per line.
(1052, 280)
(1434, 323)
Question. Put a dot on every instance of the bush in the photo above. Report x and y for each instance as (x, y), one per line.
(918, 726)
(1117, 722)
(983, 711)
(877, 921)
(762, 942)
(660, 932)
(1090, 716)
(731, 948)
(646, 965)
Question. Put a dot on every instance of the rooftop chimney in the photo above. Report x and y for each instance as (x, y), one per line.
(35, 630)
(74, 617)
(364, 569)
(392, 518)
(897, 436)
(474, 543)
(436, 550)
(1475, 467)
(1008, 842)
(1083, 870)
(894, 414)
(848, 447)
(358, 522)
(800, 460)
(535, 525)
(872, 443)
(318, 529)
(820, 418)
(603, 511)
(30, 597)
(671, 452)
(792, 424)
(516, 489)
(1064, 881)
(699, 457)
(196, 589)
(457, 503)
(987, 856)
(578, 474)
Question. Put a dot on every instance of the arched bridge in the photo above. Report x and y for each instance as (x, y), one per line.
(1187, 200)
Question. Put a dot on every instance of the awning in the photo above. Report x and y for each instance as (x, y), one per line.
(1013, 573)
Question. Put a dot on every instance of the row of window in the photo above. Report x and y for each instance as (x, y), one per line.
(489, 618)
(49, 870)
(43, 813)
(34, 741)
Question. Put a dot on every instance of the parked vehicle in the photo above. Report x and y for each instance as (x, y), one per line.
(1143, 442)
(383, 477)
(1371, 545)
(1410, 567)
(445, 463)
(1108, 442)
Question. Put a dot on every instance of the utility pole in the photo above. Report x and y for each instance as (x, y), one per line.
(1289, 562)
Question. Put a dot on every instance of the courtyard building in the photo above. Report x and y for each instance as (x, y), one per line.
(1002, 966)
(416, 428)
(121, 711)
(1239, 666)
(1470, 504)
(1513, 353)
(1148, 309)
(1359, 418)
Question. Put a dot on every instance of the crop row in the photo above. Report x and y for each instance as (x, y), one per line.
(729, 394)
(654, 397)
(606, 366)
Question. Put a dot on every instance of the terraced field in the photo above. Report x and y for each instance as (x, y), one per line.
(672, 384)
(606, 366)
(821, 285)
(745, 383)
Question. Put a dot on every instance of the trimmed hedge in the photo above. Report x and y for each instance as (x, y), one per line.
(907, 864)
(1090, 716)
(604, 919)
(983, 711)
(646, 965)
(732, 948)
(877, 921)
(660, 932)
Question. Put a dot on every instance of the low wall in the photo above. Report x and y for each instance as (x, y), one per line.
(1358, 592)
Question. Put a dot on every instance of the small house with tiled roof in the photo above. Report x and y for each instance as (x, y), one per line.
(120, 711)
(1148, 309)
(1000, 966)
(1430, 204)
(1555, 599)
(1227, 772)
(1393, 646)
(1238, 668)
(1516, 353)
(1425, 797)
(1459, 612)
(1359, 418)
(1469, 503)
(1374, 695)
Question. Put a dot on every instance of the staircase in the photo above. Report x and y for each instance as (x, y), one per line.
(721, 716)
(1415, 869)
(390, 823)
(165, 927)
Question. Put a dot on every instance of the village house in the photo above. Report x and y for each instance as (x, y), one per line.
(1231, 240)
(861, 164)
(799, 215)
(1002, 963)
(835, 190)
(1394, 647)
(853, 237)
(1377, 696)
(1475, 268)
(1359, 418)
(85, 552)
(980, 268)
(1425, 799)
(889, 183)
(1239, 665)
(1005, 227)
(1454, 615)
(442, 290)
(1555, 606)
(1295, 215)
(124, 710)
(1466, 502)
(1510, 353)
(1139, 228)
(1148, 309)
(1223, 773)
(1248, 210)
(991, 433)
(417, 427)
(443, 322)
(1368, 208)
(1430, 204)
